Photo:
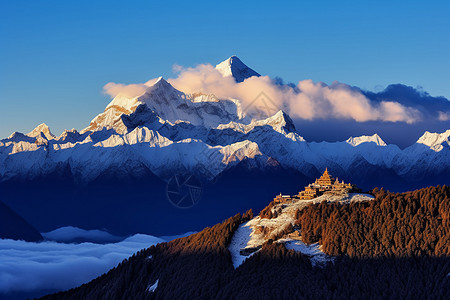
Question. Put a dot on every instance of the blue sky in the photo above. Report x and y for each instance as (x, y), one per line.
(55, 56)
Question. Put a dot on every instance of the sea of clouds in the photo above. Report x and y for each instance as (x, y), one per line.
(56, 265)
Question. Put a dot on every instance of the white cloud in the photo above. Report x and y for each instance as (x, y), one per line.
(29, 266)
(308, 100)
(177, 68)
(128, 90)
(395, 112)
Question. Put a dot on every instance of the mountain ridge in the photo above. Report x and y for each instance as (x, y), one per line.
(166, 119)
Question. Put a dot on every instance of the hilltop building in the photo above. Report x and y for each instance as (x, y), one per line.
(326, 184)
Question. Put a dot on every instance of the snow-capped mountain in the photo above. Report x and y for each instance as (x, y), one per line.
(42, 128)
(435, 141)
(233, 66)
(167, 105)
(169, 131)
(355, 141)
(114, 173)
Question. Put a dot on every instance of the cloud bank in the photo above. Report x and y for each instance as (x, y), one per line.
(48, 265)
(306, 100)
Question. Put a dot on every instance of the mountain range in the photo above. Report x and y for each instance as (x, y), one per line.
(137, 145)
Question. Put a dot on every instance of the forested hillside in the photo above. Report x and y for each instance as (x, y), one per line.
(395, 246)
(394, 225)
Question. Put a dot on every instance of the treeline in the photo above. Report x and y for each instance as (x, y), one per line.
(393, 225)
(200, 266)
(186, 268)
(277, 273)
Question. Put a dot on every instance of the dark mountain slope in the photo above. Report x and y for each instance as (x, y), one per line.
(13, 226)
(125, 204)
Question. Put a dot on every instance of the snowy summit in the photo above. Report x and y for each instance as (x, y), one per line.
(236, 68)
(435, 141)
(355, 141)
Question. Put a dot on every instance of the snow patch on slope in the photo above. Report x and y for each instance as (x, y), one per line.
(317, 256)
(152, 288)
(240, 240)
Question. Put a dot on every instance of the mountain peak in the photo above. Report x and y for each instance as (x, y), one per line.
(233, 66)
(283, 119)
(160, 90)
(435, 140)
(160, 82)
(355, 141)
(41, 128)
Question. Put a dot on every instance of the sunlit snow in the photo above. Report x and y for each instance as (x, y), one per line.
(313, 251)
(250, 235)
(240, 240)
